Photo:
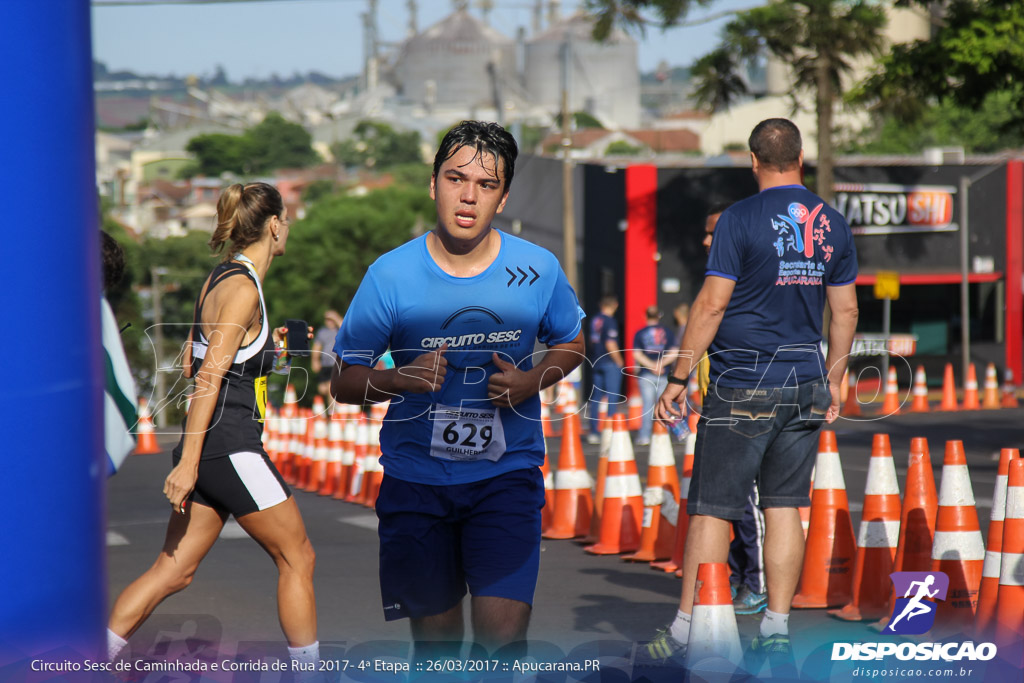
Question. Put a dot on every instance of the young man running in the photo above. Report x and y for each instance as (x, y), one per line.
(461, 309)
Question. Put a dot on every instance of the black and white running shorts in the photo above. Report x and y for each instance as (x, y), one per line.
(239, 483)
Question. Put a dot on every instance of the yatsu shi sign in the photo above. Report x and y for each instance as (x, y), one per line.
(881, 209)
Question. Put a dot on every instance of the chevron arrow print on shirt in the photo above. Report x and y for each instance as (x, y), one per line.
(521, 276)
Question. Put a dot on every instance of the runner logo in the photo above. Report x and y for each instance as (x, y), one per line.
(914, 613)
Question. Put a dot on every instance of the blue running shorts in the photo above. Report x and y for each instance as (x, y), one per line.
(435, 541)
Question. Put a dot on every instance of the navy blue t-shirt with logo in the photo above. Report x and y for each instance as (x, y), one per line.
(782, 247)
(603, 329)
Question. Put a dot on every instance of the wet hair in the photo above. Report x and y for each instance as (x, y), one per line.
(242, 215)
(485, 138)
(776, 143)
(113, 260)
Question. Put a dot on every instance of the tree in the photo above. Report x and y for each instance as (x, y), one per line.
(607, 13)
(985, 129)
(976, 52)
(216, 153)
(273, 143)
(377, 145)
(330, 249)
(818, 39)
(622, 148)
(276, 143)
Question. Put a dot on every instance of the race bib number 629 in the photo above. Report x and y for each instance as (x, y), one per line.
(466, 434)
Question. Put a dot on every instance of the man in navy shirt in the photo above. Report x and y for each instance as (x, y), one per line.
(606, 361)
(777, 257)
(652, 352)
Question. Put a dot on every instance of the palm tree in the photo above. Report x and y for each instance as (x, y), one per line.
(818, 39)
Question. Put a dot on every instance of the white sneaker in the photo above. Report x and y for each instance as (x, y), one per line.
(593, 439)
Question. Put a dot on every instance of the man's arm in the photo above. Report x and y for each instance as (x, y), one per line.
(351, 383)
(705, 317)
(843, 302)
(612, 347)
(640, 358)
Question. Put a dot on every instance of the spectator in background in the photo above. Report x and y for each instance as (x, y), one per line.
(652, 352)
(323, 358)
(605, 362)
(120, 400)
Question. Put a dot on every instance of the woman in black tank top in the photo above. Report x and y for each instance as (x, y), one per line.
(220, 467)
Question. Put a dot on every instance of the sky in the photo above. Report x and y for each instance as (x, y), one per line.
(257, 39)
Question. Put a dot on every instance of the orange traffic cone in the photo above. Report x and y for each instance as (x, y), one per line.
(682, 520)
(289, 433)
(877, 539)
(805, 512)
(920, 391)
(971, 389)
(605, 427)
(146, 444)
(623, 507)
(658, 536)
(677, 514)
(1009, 399)
(573, 501)
(319, 410)
(958, 549)
(693, 396)
(547, 513)
(273, 438)
(829, 557)
(374, 470)
(318, 466)
(917, 520)
(545, 420)
(335, 448)
(362, 450)
(713, 630)
(293, 457)
(994, 552)
(990, 400)
(348, 452)
(636, 412)
(891, 402)
(308, 446)
(948, 390)
(1009, 633)
(848, 394)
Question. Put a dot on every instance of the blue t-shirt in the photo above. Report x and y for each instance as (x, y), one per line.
(408, 304)
(782, 247)
(603, 329)
(653, 341)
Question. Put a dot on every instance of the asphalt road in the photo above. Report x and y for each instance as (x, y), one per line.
(587, 605)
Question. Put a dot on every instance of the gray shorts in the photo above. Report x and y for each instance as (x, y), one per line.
(770, 435)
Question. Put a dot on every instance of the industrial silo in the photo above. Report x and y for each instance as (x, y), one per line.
(446, 65)
(604, 79)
